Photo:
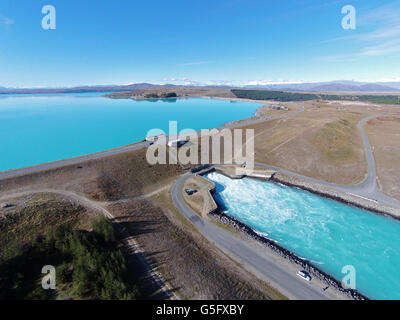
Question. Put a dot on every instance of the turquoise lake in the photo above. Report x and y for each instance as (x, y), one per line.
(329, 234)
(36, 129)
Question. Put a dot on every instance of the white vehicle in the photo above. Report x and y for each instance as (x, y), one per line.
(176, 143)
(304, 275)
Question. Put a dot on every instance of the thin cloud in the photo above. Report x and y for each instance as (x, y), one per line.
(184, 81)
(393, 79)
(382, 48)
(385, 14)
(272, 82)
(193, 82)
(383, 40)
(387, 32)
(6, 21)
(337, 57)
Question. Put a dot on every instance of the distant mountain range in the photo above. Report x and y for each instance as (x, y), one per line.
(332, 86)
(83, 89)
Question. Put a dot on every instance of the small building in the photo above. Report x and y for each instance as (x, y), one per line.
(154, 138)
(278, 107)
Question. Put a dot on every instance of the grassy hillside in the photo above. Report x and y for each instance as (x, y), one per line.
(191, 265)
(34, 215)
(322, 142)
(48, 229)
(89, 265)
(193, 268)
(384, 135)
(334, 140)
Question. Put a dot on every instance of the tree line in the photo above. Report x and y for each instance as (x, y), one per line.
(284, 96)
(89, 265)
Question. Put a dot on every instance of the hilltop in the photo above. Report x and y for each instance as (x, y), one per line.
(331, 86)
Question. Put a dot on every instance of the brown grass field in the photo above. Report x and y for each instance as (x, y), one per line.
(35, 214)
(384, 134)
(188, 262)
(124, 183)
(121, 176)
(322, 142)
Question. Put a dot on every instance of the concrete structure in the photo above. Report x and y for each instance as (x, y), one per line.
(154, 138)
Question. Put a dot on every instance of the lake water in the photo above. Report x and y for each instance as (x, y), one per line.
(42, 128)
(329, 234)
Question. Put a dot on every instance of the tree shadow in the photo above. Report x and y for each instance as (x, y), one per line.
(139, 227)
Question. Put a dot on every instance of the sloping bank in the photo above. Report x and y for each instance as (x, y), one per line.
(324, 192)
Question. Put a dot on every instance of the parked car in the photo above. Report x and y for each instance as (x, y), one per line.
(176, 143)
(304, 275)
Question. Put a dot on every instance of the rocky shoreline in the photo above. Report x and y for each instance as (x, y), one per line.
(221, 217)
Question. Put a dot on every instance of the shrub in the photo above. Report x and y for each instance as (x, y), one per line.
(151, 96)
(88, 264)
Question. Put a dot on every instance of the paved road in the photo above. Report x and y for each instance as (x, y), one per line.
(286, 281)
(368, 188)
(71, 161)
(153, 279)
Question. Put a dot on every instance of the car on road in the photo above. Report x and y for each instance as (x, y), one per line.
(304, 275)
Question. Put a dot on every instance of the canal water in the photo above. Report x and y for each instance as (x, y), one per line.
(330, 234)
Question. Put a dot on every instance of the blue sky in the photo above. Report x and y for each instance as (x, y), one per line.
(197, 42)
